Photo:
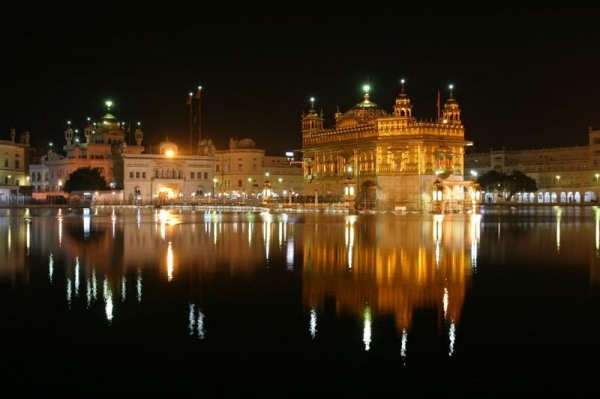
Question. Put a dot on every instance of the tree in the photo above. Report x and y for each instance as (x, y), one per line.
(85, 179)
(515, 182)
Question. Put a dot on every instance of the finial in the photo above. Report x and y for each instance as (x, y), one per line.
(190, 94)
(451, 88)
(366, 88)
(199, 87)
(108, 104)
(312, 103)
(322, 113)
(68, 123)
(139, 123)
(88, 119)
(402, 81)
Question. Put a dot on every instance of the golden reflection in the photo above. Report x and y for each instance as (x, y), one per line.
(289, 254)
(113, 218)
(170, 261)
(475, 236)
(396, 269)
(558, 220)
(9, 238)
(349, 237)
(28, 236)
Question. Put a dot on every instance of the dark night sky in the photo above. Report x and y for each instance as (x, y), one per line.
(525, 80)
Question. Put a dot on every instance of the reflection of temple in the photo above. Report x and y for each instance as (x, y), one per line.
(391, 267)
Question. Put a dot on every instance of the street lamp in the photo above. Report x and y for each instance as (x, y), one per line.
(597, 175)
(474, 173)
(557, 177)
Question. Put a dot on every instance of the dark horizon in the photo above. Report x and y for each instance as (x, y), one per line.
(524, 81)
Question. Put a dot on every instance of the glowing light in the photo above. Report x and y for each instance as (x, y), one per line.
(452, 338)
(403, 344)
(366, 88)
(170, 262)
(402, 81)
(123, 289)
(312, 100)
(108, 302)
(139, 123)
(108, 104)
(267, 174)
(199, 87)
(190, 94)
(69, 123)
(169, 153)
(50, 268)
(77, 276)
(474, 173)
(312, 325)
(367, 328)
(445, 302)
(451, 86)
(289, 255)
(138, 285)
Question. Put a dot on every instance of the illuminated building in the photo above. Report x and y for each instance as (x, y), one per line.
(386, 160)
(562, 174)
(168, 175)
(244, 170)
(101, 147)
(13, 164)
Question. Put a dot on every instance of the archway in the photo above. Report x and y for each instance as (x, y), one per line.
(367, 198)
(554, 197)
(577, 197)
(563, 197)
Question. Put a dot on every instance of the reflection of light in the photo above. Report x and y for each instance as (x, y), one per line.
(69, 293)
(558, 217)
(445, 302)
(200, 325)
(312, 326)
(475, 234)
(28, 237)
(267, 235)
(108, 307)
(123, 289)
(60, 226)
(250, 225)
(403, 343)
(452, 336)
(597, 228)
(196, 322)
(289, 256)
(138, 285)
(170, 262)
(86, 225)
(113, 218)
(437, 236)
(50, 268)
(94, 285)
(9, 238)
(138, 217)
(280, 233)
(165, 217)
(77, 276)
(349, 237)
(191, 319)
(367, 328)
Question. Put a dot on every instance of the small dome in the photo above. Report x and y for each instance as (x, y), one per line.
(246, 143)
(363, 112)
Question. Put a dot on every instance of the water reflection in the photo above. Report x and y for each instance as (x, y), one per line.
(371, 267)
(401, 267)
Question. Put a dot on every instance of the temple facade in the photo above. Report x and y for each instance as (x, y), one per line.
(373, 158)
(102, 146)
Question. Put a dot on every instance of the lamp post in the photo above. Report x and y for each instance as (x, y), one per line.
(557, 177)
(597, 175)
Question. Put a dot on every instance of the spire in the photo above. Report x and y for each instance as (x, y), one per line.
(451, 88)
(312, 104)
(403, 106)
(451, 112)
(366, 89)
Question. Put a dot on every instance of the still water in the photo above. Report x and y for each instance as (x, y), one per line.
(132, 299)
